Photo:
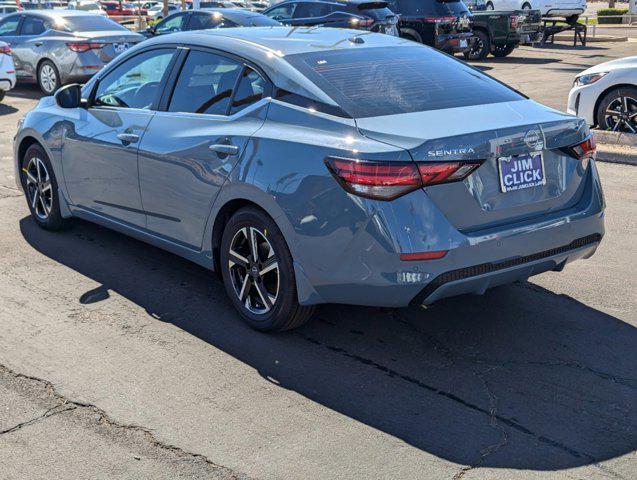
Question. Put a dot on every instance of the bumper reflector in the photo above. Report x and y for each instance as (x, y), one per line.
(423, 255)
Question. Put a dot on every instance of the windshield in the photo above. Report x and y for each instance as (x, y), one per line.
(387, 80)
(89, 23)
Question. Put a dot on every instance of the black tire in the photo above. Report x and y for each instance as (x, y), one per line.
(2, 94)
(526, 6)
(248, 292)
(45, 210)
(490, 6)
(616, 100)
(48, 77)
(479, 48)
(502, 50)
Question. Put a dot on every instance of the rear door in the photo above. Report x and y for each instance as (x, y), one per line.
(191, 147)
(100, 149)
(312, 13)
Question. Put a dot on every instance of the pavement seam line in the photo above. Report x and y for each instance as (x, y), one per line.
(104, 417)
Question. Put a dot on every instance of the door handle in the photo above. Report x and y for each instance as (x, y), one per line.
(38, 44)
(128, 138)
(225, 149)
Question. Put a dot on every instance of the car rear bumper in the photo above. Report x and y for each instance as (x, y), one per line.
(7, 84)
(454, 42)
(367, 269)
(564, 12)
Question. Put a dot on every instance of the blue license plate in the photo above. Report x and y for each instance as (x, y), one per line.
(521, 171)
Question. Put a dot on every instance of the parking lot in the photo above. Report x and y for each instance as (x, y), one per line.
(118, 359)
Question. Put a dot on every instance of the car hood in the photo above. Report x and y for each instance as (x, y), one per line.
(478, 131)
(620, 63)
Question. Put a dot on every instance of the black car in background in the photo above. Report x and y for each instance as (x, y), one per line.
(209, 18)
(372, 15)
(443, 24)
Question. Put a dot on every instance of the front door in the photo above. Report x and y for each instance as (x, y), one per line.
(100, 150)
(190, 149)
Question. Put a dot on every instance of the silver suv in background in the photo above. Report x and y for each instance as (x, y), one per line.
(54, 48)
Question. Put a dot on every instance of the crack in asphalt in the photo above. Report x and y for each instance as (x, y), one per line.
(66, 405)
(49, 413)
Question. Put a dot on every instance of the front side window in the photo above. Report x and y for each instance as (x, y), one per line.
(172, 24)
(388, 80)
(9, 26)
(136, 83)
(283, 12)
(205, 84)
(33, 26)
(251, 89)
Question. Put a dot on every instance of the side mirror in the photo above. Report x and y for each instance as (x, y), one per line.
(69, 96)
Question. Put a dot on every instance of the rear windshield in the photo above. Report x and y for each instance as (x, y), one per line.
(379, 81)
(90, 23)
(428, 7)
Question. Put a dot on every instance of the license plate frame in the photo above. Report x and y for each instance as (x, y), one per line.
(519, 179)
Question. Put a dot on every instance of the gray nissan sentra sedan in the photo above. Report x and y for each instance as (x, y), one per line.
(55, 47)
(311, 165)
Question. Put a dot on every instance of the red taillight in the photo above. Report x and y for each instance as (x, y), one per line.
(423, 255)
(585, 149)
(84, 46)
(389, 180)
(513, 21)
(6, 50)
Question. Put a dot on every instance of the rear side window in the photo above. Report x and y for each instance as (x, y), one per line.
(205, 84)
(203, 21)
(251, 89)
(387, 80)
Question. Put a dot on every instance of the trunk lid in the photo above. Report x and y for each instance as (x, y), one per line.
(488, 133)
(116, 42)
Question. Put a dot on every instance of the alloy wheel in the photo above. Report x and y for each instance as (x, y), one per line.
(621, 115)
(48, 78)
(254, 270)
(39, 188)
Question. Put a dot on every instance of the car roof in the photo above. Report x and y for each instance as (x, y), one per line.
(284, 40)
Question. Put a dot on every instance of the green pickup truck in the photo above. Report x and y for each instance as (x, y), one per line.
(500, 32)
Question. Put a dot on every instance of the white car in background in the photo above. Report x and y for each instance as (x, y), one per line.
(606, 95)
(569, 9)
(6, 9)
(7, 70)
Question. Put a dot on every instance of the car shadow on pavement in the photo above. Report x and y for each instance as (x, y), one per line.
(7, 109)
(519, 378)
(28, 91)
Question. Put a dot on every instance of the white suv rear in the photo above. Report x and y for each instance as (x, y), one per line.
(7, 70)
(570, 9)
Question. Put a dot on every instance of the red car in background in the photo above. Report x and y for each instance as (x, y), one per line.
(115, 9)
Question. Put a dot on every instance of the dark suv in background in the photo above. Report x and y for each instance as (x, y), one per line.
(360, 14)
(443, 24)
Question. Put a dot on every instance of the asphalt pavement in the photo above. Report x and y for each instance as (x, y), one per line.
(119, 360)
